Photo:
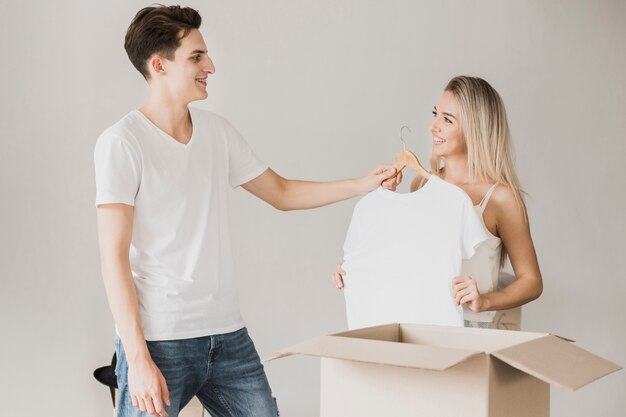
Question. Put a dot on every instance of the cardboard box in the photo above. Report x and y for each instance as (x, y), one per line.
(428, 371)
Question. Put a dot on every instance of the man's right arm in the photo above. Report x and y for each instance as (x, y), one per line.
(146, 383)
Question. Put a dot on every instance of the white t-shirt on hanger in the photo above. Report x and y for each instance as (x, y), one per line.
(402, 251)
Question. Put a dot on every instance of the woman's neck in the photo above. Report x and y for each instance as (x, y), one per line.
(456, 170)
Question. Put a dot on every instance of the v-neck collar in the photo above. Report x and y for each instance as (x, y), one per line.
(167, 136)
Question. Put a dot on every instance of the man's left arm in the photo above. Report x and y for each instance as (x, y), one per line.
(285, 194)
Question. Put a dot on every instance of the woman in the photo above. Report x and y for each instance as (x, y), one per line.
(472, 150)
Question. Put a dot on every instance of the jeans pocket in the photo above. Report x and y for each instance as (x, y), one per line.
(119, 354)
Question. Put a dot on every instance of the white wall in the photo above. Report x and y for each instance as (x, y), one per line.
(320, 90)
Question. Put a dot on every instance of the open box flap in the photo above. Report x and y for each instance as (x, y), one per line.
(556, 361)
(379, 352)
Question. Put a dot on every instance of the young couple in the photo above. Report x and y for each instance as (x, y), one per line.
(163, 174)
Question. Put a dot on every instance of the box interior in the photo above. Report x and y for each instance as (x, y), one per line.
(482, 340)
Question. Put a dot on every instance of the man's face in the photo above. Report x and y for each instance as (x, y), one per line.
(186, 75)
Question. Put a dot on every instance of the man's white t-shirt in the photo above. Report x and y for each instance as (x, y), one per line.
(402, 252)
(180, 254)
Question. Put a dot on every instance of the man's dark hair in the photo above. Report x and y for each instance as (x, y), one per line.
(158, 29)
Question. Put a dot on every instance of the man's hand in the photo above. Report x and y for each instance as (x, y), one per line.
(392, 183)
(375, 178)
(147, 387)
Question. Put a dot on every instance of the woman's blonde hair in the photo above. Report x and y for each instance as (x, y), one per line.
(485, 128)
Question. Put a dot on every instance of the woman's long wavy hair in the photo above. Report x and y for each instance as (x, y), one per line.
(485, 128)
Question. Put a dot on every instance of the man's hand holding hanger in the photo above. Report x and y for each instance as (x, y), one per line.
(392, 183)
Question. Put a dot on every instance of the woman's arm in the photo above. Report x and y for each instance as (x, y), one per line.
(513, 228)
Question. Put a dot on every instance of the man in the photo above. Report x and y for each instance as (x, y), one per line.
(162, 179)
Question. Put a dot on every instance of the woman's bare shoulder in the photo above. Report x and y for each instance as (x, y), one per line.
(506, 203)
(417, 183)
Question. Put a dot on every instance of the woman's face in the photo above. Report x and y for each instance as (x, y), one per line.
(446, 129)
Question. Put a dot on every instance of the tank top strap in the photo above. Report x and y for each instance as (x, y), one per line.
(485, 200)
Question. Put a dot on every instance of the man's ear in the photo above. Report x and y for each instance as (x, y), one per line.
(156, 65)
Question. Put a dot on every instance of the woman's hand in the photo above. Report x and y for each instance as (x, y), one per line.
(337, 277)
(466, 293)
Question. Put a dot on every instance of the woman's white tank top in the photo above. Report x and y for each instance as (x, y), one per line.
(484, 266)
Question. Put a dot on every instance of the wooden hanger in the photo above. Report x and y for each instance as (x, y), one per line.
(408, 159)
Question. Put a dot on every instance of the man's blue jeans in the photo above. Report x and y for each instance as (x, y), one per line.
(224, 371)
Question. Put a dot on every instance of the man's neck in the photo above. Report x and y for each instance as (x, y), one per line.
(169, 116)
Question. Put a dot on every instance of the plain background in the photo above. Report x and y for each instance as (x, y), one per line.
(320, 90)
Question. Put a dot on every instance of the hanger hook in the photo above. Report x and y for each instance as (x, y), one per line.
(401, 138)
